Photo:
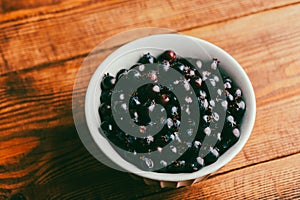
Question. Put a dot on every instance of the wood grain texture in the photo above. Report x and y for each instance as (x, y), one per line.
(41, 155)
(12, 5)
(272, 180)
(75, 32)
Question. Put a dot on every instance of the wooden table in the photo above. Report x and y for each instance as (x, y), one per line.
(42, 45)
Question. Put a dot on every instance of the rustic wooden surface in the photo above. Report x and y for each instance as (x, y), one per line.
(42, 45)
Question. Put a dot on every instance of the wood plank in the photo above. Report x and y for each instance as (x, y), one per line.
(92, 23)
(37, 99)
(27, 87)
(91, 180)
(58, 160)
(36, 102)
(54, 164)
(255, 45)
(9, 5)
(272, 180)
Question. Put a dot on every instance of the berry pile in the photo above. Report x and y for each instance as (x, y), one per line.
(219, 100)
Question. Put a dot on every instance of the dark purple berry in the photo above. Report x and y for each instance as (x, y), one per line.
(130, 139)
(133, 74)
(203, 104)
(238, 109)
(224, 145)
(121, 73)
(194, 166)
(240, 104)
(168, 55)
(107, 127)
(214, 64)
(230, 121)
(147, 58)
(166, 138)
(227, 80)
(148, 141)
(152, 90)
(142, 96)
(121, 135)
(134, 102)
(148, 103)
(179, 67)
(238, 93)
(166, 65)
(177, 166)
(200, 161)
(228, 84)
(212, 156)
(108, 82)
(105, 111)
(196, 82)
(105, 97)
(229, 97)
(135, 66)
(190, 73)
(229, 136)
(143, 118)
(185, 61)
(163, 99)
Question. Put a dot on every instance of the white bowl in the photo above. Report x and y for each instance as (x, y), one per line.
(185, 46)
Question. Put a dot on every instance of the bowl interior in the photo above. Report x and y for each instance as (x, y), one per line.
(185, 46)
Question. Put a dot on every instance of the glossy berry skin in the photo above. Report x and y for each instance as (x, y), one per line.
(152, 90)
(105, 111)
(228, 86)
(179, 67)
(175, 167)
(141, 94)
(134, 66)
(168, 55)
(108, 82)
(107, 128)
(121, 73)
(143, 116)
(224, 145)
(163, 99)
(228, 139)
(134, 102)
(121, 136)
(196, 82)
(212, 156)
(147, 58)
(238, 93)
(194, 166)
(105, 97)
(227, 80)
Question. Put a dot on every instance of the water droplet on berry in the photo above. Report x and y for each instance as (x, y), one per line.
(214, 64)
(207, 131)
(236, 132)
(173, 149)
(149, 163)
(199, 64)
